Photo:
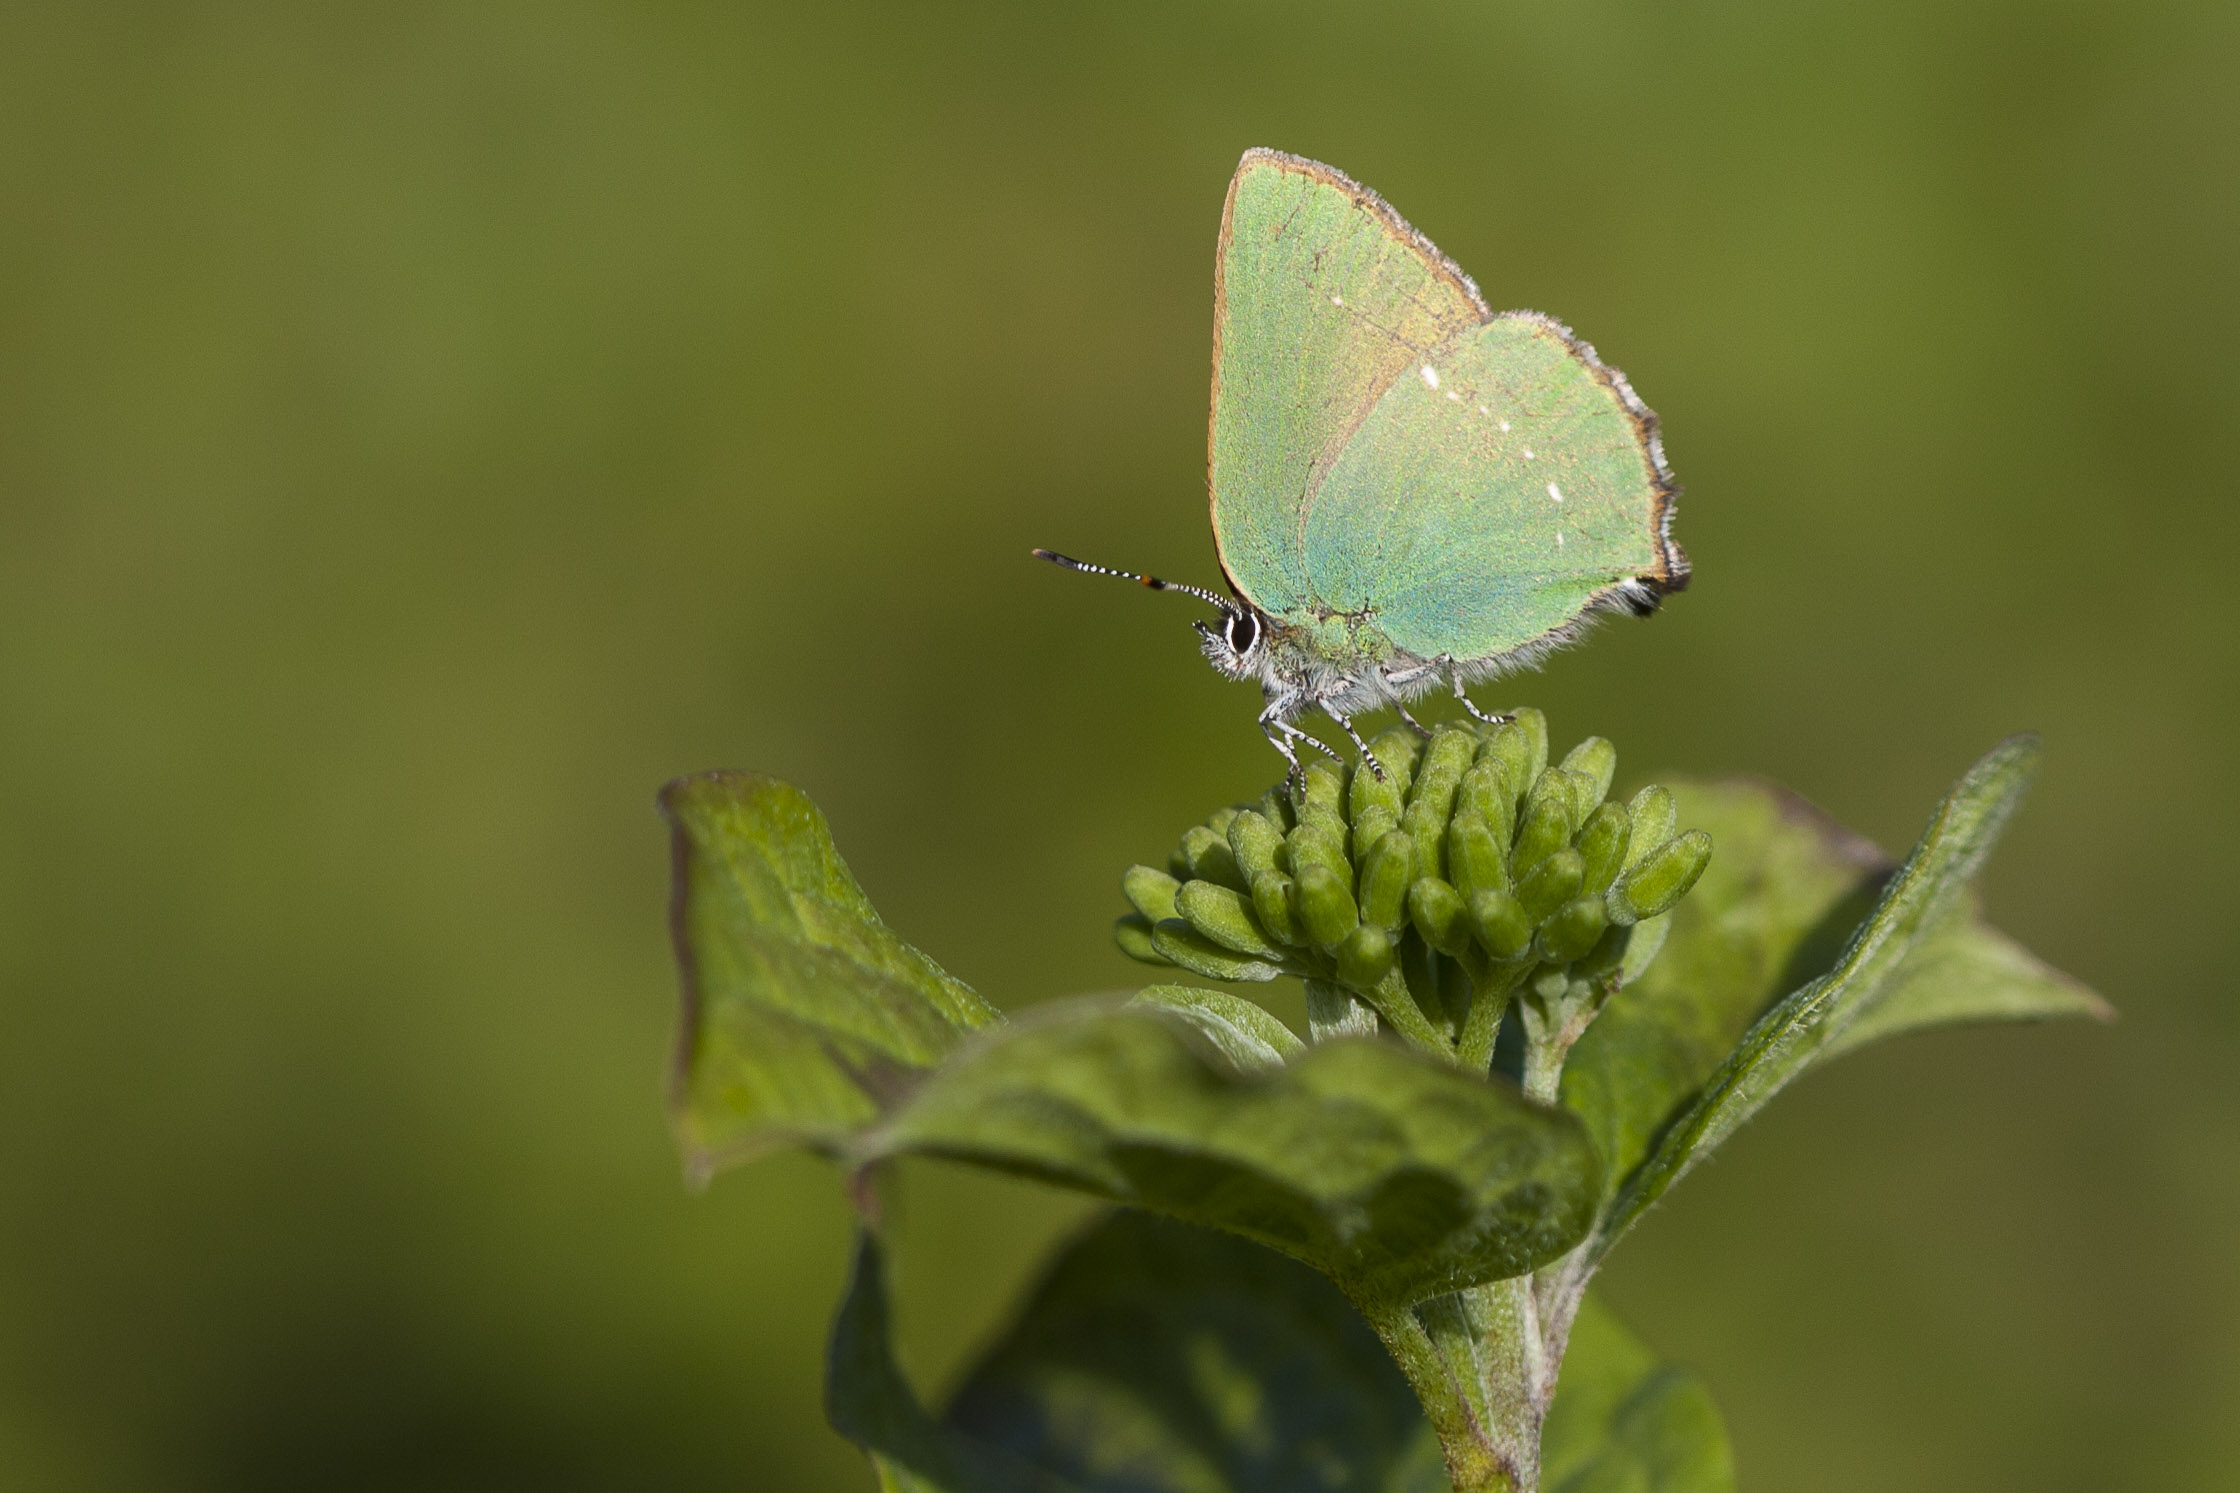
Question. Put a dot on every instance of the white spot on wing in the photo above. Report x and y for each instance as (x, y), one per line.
(1337, 300)
(1559, 539)
(1528, 453)
(1457, 398)
(1484, 411)
(1504, 425)
(1553, 493)
(1431, 375)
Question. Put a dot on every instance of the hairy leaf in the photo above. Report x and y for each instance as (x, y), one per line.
(1785, 891)
(1155, 1356)
(1625, 1422)
(804, 1017)
(1398, 1176)
(1159, 1358)
(1784, 885)
(1905, 947)
(1966, 970)
(1252, 1039)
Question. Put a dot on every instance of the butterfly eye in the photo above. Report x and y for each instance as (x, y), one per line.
(1244, 631)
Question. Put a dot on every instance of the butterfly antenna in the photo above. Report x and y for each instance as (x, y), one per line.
(1152, 581)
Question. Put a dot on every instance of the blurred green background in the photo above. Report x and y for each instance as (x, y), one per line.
(424, 429)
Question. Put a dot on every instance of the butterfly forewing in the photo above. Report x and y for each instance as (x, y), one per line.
(1323, 297)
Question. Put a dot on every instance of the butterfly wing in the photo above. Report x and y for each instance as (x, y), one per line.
(1323, 297)
(1505, 486)
(1346, 479)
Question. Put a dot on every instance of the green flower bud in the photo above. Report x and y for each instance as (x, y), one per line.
(1179, 943)
(1534, 725)
(1607, 956)
(1275, 902)
(1501, 924)
(1326, 909)
(1508, 751)
(1399, 749)
(1602, 845)
(1205, 855)
(1325, 820)
(1655, 814)
(1472, 846)
(1552, 985)
(1375, 822)
(1309, 845)
(1325, 784)
(1596, 761)
(1475, 861)
(1365, 957)
(1385, 876)
(1545, 828)
(1365, 793)
(1253, 841)
(1662, 878)
(1225, 917)
(1440, 915)
(1643, 941)
(1432, 798)
(1485, 793)
(1275, 807)
(1556, 786)
(1550, 884)
(1571, 931)
(1133, 934)
(1149, 892)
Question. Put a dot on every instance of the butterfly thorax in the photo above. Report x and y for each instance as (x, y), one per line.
(1342, 662)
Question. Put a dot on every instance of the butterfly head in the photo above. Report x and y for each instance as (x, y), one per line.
(1237, 645)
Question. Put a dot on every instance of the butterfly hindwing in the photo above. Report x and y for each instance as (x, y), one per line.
(1501, 487)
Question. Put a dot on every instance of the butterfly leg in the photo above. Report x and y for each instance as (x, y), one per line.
(1411, 722)
(1444, 663)
(1454, 676)
(1281, 733)
(1346, 724)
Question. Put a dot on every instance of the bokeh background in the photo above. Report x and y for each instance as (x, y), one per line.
(426, 428)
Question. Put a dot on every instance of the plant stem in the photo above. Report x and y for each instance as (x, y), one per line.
(1335, 1011)
(1452, 1396)
(1491, 985)
(1397, 1004)
(1543, 1068)
(1476, 1362)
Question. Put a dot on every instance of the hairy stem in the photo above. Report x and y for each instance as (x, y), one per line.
(1491, 985)
(1442, 1360)
(1398, 1005)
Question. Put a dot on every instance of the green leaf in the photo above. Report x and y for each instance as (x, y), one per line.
(1251, 1039)
(1398, 1176)
(1966, 970)
(1625, 1422)
(1907, 944)
(1159, 1358)
(1784, 885)
(869, 1402)
(1784, 892)
(804, 1017)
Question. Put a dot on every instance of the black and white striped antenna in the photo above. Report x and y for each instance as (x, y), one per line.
(1151, 581)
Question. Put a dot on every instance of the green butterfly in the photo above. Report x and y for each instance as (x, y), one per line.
(1410, 492)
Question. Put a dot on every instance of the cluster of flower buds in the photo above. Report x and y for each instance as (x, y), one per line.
(1472, 865)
